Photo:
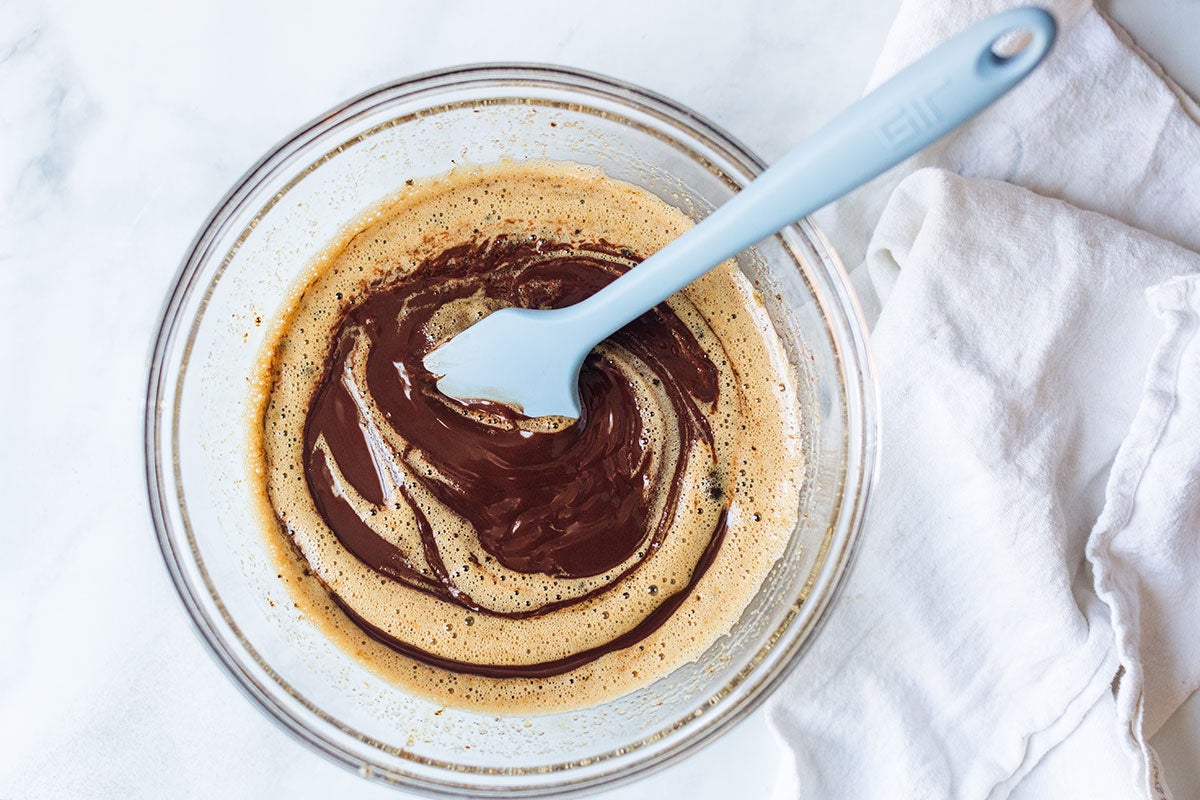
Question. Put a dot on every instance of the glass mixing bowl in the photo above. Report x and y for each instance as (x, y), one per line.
(238, 273)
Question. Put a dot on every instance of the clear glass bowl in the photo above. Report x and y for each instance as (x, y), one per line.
(237, 274)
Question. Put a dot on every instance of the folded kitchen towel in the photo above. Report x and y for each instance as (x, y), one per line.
(1032, 544)
(1097, 125)
(1146, 546)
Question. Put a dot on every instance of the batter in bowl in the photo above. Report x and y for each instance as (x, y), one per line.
(495, 562)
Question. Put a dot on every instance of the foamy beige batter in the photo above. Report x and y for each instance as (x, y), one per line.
(755, 422)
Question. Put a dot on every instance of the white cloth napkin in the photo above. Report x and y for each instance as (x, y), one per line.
(1039, 367)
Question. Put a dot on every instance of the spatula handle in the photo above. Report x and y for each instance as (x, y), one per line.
(918, 106)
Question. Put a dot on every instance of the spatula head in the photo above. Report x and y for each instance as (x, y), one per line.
(523, 358)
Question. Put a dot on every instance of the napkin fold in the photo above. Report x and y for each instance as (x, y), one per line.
(1032, 546)
(1145, 548)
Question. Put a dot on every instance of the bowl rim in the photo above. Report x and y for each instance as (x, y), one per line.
(861, 403)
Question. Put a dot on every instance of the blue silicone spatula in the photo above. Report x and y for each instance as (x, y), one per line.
(530, 359)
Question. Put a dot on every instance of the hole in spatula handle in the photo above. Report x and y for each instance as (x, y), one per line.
(1010, 44)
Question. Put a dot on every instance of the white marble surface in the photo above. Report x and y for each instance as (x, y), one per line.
(121, 124)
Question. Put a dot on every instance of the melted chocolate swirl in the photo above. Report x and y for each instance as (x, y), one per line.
(575, 507)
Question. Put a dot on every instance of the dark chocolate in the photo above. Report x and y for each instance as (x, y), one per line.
(571, 503)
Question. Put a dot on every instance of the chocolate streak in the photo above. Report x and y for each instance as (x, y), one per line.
(572, 503)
